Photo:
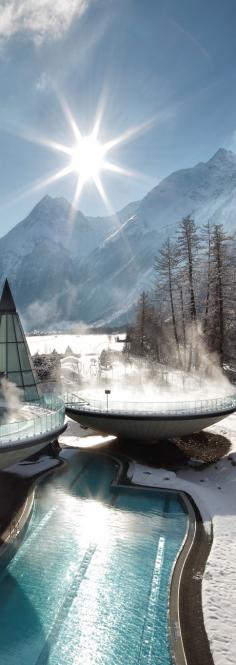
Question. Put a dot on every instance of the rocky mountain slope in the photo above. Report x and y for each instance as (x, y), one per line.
(64, 266)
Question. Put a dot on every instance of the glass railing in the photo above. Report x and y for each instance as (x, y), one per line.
(181, 408)
(35, 418)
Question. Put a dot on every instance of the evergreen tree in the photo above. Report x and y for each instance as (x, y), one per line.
(143, 337)
(207, 240)
(221, 299)
(165, 266)
(195, 292)
(188, 242)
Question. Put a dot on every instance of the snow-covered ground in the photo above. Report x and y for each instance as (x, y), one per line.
(83, 344)
(213, 489)
(85, 352)
(30, 468)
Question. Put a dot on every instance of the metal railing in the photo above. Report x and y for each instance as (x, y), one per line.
(47, 415)
(183, 408)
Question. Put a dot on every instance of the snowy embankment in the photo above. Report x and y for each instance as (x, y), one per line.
(213, 490)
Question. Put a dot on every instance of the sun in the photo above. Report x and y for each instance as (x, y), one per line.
(87, 158)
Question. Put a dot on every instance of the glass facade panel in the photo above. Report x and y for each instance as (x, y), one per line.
(10, 329)
(3, 358)
(15, 359)
(16, 377)
(28, 379)
(19, 334)
(3, 319)
(24, 360)
(31, 393)
(13, 364)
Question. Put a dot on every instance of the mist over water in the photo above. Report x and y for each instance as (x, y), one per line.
(11, 402)
(169, 386)
(13, 408)
(138, 381)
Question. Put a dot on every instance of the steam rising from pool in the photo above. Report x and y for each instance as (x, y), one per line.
(137, 383)
(13, 408)
(129, 380)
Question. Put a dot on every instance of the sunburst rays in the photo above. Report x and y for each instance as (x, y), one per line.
(87, 157)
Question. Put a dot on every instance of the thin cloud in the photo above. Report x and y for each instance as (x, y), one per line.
(191, 38)
(43, 83)
(41, 19)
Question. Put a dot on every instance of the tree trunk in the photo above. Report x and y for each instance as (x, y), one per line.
(208, 280)
(220, 300)
(173, 314)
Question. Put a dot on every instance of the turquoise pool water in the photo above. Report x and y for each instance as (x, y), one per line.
(89, 583)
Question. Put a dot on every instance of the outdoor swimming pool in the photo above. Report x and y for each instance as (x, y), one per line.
(89, 584)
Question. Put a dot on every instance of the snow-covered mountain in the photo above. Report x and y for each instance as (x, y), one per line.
(65, 266)
(122, 266)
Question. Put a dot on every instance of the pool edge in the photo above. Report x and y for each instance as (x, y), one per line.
(175, 628)
(180, 622)
(184, 627)
(12, 535)
(187, 582)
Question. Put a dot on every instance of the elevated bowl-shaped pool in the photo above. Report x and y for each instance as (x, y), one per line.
(33, 426)
(148, 421)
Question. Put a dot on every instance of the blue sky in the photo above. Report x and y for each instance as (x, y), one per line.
(169, 61)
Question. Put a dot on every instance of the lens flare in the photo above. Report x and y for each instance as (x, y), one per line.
(88, 158)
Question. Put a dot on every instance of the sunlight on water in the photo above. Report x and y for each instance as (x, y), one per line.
(89, 584)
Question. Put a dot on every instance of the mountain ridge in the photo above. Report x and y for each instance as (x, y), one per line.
(92, 269)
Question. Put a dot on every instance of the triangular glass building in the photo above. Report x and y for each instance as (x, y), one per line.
(15, 359)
